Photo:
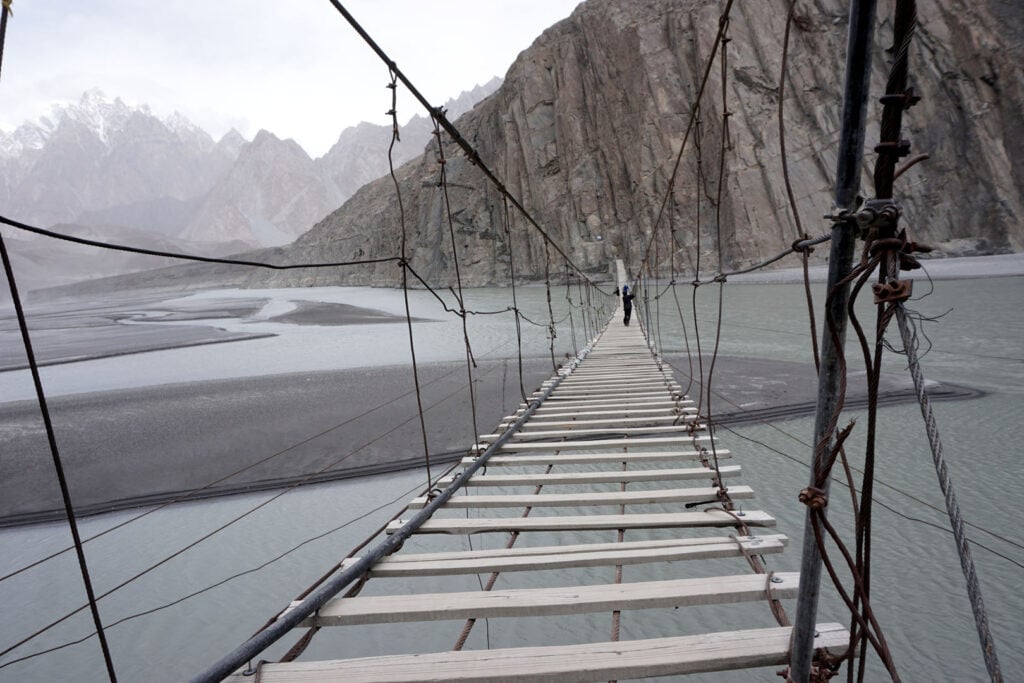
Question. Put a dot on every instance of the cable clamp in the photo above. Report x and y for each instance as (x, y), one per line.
(907, 99)
(899, 149)
(814, 498)
(892, 291)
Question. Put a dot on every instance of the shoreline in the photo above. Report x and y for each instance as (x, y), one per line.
(938, 268)
(767, 405)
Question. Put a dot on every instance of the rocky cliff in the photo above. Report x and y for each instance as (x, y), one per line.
(589, 119)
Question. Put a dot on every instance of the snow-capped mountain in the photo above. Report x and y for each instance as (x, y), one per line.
(98, 154)
(104, 165)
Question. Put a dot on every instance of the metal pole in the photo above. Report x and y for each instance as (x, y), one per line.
(315, 600)
(848, 172)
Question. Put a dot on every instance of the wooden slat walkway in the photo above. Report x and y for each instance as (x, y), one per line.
(608, 460)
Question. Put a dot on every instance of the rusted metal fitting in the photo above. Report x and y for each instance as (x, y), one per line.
(900, 149)
(907, 99)
(814, 498)
(878, 213)
(886, 244)
(892, 291)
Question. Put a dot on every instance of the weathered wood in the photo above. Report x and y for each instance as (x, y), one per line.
(545, 418)
(596, 444)
(615, 385)
(595, 458)
(541, 433)
(625, 392)
(581, 555)
(661, 520)
(644, 403)
(541, 500)
(612, 477)
(645, 420)
(533, 602)
(620, 660)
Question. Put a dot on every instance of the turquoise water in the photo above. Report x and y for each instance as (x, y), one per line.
(918, 586)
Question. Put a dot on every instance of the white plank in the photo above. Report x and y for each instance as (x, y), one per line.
(581, 555)
(597, 383)
(620, 660)
(533, 602)
(597, 444)
(563, 394)
(593, 458)
(624, 412)
(541, 500)
(660, 520)
(540, 433)
(644, 403)
(612, 477)
(643, 420)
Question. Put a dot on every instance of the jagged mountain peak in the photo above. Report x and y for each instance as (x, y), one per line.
(106, 118)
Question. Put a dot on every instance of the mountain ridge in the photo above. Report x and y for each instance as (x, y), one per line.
(105, 165)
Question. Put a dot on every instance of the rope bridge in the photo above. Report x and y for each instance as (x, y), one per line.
(609, 465)
(606, 449)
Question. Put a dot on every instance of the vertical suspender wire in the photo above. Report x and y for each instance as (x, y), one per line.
(800, 232)
(55, 453)
(696, 266)
(884, 165)
(515, 301)
(873, 366)
(551, 313)
(657, 298)
(675, 297)
(587, 326)
(568, 299)
(719, 194)
(393, 86)
(470, 362)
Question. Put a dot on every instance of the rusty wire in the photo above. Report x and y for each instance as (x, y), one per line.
(470, 361)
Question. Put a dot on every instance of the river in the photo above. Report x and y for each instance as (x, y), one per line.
(918, 594)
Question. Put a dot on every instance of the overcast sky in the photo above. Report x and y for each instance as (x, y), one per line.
(294, 67)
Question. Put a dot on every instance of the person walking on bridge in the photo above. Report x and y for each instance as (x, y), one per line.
(627, 304)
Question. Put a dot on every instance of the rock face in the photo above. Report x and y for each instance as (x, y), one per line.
(587, 125)
(360, 154)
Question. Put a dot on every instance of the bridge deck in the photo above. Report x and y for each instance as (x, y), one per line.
(605, 457)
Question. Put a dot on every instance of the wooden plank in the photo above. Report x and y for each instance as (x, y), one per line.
(662, 396)
(612, 477)
(646, 420)
(660, 520)
(624, 405)
(541, 433)
(597, 444)
(562, 394)
(581, 555)
(593, 458)
(620, 660)
(540, 500)
(588, 383)
(534, 602)
(624, 412)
